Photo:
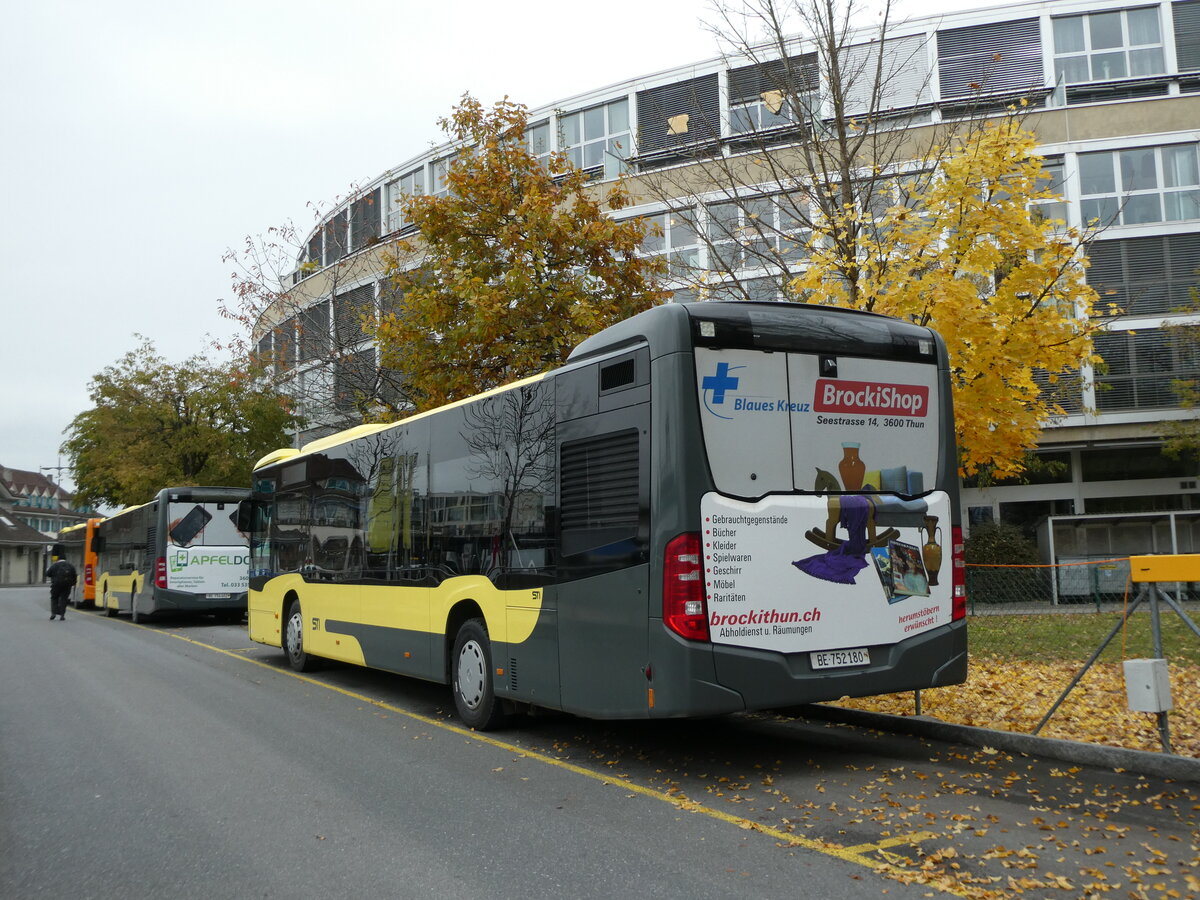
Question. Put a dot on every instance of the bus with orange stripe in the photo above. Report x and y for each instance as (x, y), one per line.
(76, 543)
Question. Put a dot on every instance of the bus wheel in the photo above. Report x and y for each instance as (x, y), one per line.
(108, 610)
(293, 641)
(133, 612)
(471, 678)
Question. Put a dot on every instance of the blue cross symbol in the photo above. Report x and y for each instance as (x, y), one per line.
(720, 383)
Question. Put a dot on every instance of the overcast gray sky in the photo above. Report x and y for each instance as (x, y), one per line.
(144, 138)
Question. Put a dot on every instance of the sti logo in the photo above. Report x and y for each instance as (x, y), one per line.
(713, 388)
(179, 561)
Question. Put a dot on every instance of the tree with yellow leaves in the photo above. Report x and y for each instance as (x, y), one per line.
(838, 190)
(962, 249)
(510, 267)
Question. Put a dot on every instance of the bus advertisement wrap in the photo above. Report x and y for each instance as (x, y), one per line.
(856, 564)
(802, 573)
(208, 570)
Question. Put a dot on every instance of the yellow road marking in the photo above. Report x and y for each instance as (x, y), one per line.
(915, 838)
(855, 854)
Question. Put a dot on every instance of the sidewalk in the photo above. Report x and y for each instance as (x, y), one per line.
(1163, 765)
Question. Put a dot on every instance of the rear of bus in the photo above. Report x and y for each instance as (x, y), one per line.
(87, 574)
(76, 542)
(815, 551)
(201, 558)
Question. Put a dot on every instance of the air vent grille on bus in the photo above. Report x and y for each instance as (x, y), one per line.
(600, 482)
(618, 375)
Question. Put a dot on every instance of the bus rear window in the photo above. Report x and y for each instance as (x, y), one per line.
(810, 329)
(207, 524)
(779, 422)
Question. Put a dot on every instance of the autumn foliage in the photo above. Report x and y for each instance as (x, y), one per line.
(965, 251)
(154, 423)
(509, 269)
(1005, 696)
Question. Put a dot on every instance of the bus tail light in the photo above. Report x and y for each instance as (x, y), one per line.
(89, 575)
(160, 573)
(959, 602)
(684, 609)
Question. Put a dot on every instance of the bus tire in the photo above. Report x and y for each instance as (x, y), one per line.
(471, 678)
(293, 640)
(108, 609)
(133, 610)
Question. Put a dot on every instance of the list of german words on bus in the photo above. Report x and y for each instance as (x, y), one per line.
(724, 560)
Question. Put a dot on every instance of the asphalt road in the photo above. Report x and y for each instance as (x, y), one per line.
(178, 759)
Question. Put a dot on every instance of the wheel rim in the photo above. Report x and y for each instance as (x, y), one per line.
(294, 645)
(471, 674)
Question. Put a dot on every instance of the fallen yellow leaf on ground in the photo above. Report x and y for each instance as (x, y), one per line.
(1010, 695)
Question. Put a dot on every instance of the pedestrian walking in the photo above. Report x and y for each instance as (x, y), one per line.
(62, 577)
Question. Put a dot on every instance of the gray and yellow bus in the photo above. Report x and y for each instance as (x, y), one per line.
(709, 507)
(180, 552)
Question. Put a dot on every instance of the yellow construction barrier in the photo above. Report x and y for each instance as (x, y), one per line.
(1176, 567)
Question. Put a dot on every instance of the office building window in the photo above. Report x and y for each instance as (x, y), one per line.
(673, 236)
(1145, 275)
(264, 350)
(1141, 185)
(756, 233)
(537, 139)
(439, 175)
(349, 308)
(773, 94)
(1186, 14)
(410, 184)
(679, 120)
(337, 233)
(1142, 368)
(598, 138)
(314, 331)
(997, 58)
(1104, 46)
(1053, 179)
(364, 220)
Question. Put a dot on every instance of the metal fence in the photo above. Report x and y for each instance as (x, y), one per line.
(1047, 646)
(1074, 586)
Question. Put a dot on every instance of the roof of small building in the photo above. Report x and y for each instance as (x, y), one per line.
(21, 481)
(14, 532)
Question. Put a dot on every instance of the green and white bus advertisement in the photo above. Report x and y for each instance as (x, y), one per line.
(205, 552)
(207, 570)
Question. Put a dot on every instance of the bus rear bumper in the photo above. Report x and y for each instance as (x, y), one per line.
(711, 679)
(766, 680)
(184, 602)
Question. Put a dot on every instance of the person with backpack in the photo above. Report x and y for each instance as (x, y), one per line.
(62, 577)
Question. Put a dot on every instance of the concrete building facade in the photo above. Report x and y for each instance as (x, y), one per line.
(1114, 99)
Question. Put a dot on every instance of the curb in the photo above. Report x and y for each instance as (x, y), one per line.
(1143, 762)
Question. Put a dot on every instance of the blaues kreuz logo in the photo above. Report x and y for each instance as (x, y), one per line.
(713, 387)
